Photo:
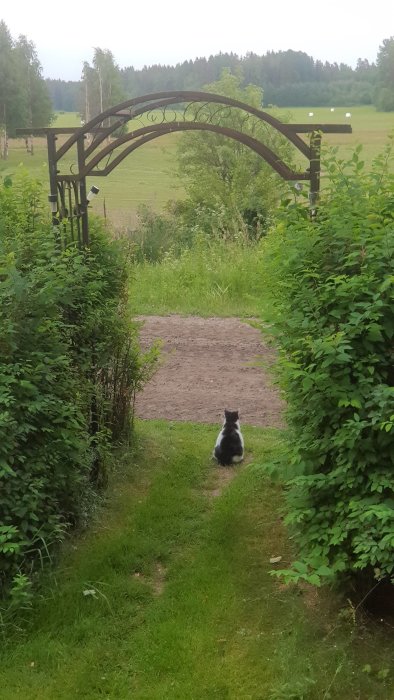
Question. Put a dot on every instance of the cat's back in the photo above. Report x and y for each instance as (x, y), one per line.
(229, 446)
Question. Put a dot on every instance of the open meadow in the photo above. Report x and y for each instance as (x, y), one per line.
(148, 176)
(370, 128)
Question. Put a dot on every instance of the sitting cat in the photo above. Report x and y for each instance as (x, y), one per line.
(229, 447)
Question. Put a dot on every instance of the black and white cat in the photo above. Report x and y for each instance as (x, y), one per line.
(229, 447)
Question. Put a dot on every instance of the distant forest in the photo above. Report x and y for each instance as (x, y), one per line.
(288, 78)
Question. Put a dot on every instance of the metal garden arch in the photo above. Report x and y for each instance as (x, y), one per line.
(97, 149)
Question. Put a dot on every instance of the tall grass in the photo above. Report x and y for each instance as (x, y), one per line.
(213, 277)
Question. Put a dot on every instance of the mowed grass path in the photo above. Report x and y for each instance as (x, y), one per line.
(169, 596)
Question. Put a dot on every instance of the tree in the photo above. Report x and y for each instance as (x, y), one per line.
(89, 107)
(8, 87)
(385, 64)
(102, 85)
(24, 99)
(226, 182)
(38, 107)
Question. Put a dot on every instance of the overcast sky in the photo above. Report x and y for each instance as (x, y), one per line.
(143, 33)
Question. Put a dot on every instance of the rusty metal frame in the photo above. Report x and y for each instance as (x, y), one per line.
(196, 114)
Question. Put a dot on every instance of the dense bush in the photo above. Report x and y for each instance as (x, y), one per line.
(69, 369)
(331, 287)
(156, 234)
(184, 224)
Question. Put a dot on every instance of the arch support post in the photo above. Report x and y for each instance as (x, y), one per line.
(314, 170)
(83, 201)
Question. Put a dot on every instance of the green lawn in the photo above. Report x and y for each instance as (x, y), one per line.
(180, 602)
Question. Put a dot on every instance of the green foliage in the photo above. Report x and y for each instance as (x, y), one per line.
(222, 174)
(331, 288)
(385, 99)
(24, 99)
(385, 67)
(101, 86)
(155, 235)
(69, 369)
(182, 226)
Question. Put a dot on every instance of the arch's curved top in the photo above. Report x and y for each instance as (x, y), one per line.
(150, 114)
(155, 100)
(145, 134)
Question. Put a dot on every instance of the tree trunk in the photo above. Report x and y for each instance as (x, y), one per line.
(3, 144)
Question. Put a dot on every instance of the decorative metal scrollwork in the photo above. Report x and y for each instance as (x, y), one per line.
(100, 146)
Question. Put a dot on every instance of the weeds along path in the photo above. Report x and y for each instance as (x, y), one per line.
(209, 364)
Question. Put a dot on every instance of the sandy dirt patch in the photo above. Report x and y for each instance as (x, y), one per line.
(209, 364)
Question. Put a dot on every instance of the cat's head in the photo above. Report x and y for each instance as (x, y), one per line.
(231, 416)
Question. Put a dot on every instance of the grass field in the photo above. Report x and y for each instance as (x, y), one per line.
(370, 128)
(169, 596)
(148, 175)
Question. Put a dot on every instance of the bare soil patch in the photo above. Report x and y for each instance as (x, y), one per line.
(209, 364)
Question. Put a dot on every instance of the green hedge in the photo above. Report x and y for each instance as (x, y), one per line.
(332, 299)
(69, 368)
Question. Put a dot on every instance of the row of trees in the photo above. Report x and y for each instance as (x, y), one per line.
(275, 72)
(24, 97)
(100, 87)
(385, 64)
(288, 78)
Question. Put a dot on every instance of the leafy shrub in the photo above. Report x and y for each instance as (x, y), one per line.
(152, 237)
(224, 177)
(331, 288)
(185, 223)
(69, 369)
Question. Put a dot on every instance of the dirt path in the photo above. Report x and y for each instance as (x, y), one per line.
(209, 364)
